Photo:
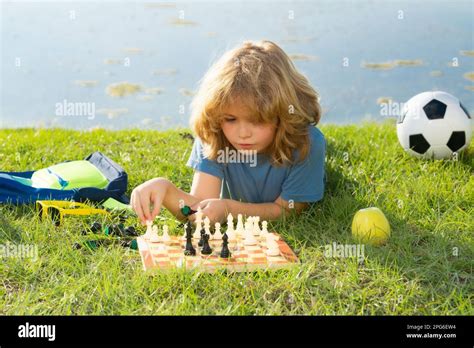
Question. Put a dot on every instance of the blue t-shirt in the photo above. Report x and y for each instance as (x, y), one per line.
(260, 182)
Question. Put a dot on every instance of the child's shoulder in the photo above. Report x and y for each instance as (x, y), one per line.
(317, 139)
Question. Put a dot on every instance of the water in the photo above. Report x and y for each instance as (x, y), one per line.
(46, 46)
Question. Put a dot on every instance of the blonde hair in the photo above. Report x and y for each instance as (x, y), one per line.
(265, 78)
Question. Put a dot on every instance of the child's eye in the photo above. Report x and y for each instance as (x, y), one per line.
(230, 119)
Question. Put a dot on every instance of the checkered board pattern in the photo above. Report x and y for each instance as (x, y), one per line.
(244, 258)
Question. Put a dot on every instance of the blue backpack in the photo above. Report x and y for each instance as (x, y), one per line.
(96, 179)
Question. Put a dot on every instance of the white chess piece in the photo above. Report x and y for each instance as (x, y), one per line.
(249, 237)
(155, 238)
(207, 227)
(264, 230)
(199, 215)
(149, 230)
(239, 230)
(230, 223)
(197, 232)
(272, 245)
(217, 233)
(256, 227)
(230, 228)
(166, 237)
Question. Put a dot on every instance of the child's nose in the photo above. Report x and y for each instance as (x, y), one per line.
(244, 131)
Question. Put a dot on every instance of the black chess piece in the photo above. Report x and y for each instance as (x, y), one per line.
(96, 227)
(206, 248)
(189, 251)
(201, 241)
(225, 252)
(188, 230)
(131, 232)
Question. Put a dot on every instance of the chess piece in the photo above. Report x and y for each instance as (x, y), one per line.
(131, 232)
(264, 230)
(189, 250)
(197, 232)
(249, 237)
(154, 238)
(239, 230)
(230, 228)
(207, 227)
(256, 227)
(201, 241)
(187, 229)
(217, 233)
(149, 230)
(96, 227)
(225, 252)
(230, 222)
(166, 237)
(206, 248)
(272, 245)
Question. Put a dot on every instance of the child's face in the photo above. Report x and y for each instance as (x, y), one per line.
(242, 132)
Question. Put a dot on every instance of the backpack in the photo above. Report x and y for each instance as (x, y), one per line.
(96, 179)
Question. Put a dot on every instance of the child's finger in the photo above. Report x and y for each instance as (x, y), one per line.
(195, 206)
(145, 205)
(156, 206)
(138, 209)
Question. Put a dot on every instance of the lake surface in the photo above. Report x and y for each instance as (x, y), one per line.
(56, 54)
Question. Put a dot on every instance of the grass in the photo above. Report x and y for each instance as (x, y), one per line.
(425, 268)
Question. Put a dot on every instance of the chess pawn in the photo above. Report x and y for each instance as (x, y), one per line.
(166, 237)
(206, 248)
(230, 222)
(256, 227)
(225, 252)
(217, 233)
(272, 245)
(239, 230)
(154, 235)
(149, 231)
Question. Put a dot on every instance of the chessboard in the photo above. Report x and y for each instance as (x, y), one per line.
(244, 258)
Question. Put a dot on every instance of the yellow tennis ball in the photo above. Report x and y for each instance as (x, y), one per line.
(370, 226)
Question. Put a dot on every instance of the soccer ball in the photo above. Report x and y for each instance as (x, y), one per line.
(434, 125)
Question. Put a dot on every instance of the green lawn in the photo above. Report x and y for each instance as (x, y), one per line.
(425, 268)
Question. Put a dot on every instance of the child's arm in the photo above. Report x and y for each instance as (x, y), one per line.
(218, 209)
(161, 191)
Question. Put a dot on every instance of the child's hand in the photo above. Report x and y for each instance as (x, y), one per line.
(215, 209)
(152, 191)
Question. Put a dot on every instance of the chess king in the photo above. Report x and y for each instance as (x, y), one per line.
(274, 116)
